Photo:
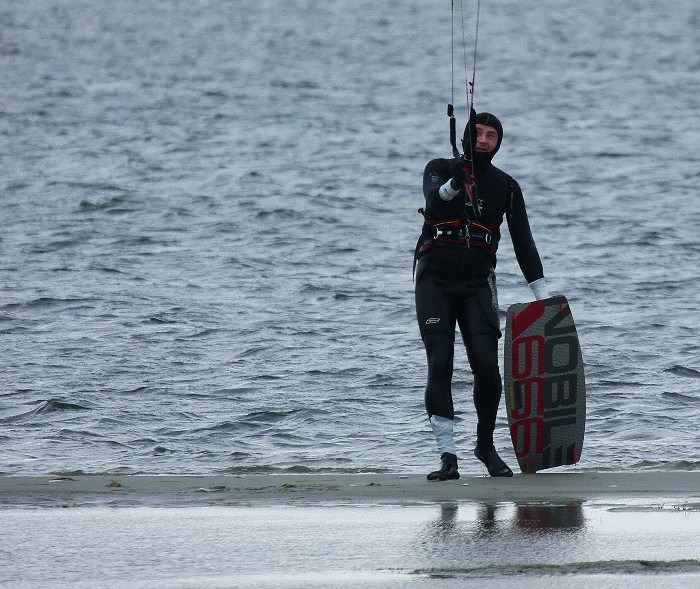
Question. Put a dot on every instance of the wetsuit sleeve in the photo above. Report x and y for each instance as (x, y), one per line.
(436, 173)
(524, 245)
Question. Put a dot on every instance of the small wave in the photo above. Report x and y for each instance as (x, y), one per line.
(48, 407)
(107, 269)
(682, 397)
(160, 319)
(46, 302)
(619, 383)
(295, 84)
(664, 465)
(308, 288)
(235, 455)
(53, 405)
(56, 246)
(89, 185)
(680, 370)
(270, 416)
(606, 567)
(684, 465)
(202, 333)
(614, 154)
(79, 472)
(637, 433)
(224, 426)
(281, 213)
(299, 469)
(110, 204)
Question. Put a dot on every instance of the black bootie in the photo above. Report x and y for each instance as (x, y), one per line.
(488, 455)
(447, 471)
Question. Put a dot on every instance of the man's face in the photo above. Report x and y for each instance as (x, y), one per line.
(486, 138)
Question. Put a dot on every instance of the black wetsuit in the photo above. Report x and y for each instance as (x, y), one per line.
(456, 284)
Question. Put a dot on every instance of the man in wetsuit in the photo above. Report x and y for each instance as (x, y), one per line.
(456, 283)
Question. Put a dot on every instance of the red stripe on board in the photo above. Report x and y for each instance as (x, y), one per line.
(527, 317)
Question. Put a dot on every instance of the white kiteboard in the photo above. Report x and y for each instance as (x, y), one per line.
(544, 384)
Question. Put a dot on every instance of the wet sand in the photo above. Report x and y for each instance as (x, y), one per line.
(594, 529)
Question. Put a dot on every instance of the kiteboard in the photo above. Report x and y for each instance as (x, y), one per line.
(544, 384)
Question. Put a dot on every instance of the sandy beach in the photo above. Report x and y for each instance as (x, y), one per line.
(682, 487)
(595, 529)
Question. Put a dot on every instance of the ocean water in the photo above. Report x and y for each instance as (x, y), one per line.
(208, 214)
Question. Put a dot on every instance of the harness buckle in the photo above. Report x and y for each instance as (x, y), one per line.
(461, 233)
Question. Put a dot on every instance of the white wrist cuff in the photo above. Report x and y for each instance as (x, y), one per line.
(446, 191)
(539, 288)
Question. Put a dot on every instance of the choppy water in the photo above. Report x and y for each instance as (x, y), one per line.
(208, 213)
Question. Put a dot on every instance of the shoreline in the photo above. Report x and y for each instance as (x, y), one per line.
(398, 489)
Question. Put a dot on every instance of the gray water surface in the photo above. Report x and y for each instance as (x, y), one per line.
(208, 214)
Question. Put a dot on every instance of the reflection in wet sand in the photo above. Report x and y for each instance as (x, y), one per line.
(487, 517)
(538, 516)
(485, 537)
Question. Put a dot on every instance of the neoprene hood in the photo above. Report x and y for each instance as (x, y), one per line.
(486, 118)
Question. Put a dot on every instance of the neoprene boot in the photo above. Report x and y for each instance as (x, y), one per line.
(488, 455)
(448, 469)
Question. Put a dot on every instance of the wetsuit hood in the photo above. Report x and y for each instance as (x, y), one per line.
(482, 160)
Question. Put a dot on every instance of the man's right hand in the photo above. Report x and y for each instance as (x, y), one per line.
(458, 174)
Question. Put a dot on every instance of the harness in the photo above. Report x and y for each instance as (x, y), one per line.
(456, 231)
(464, 232)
